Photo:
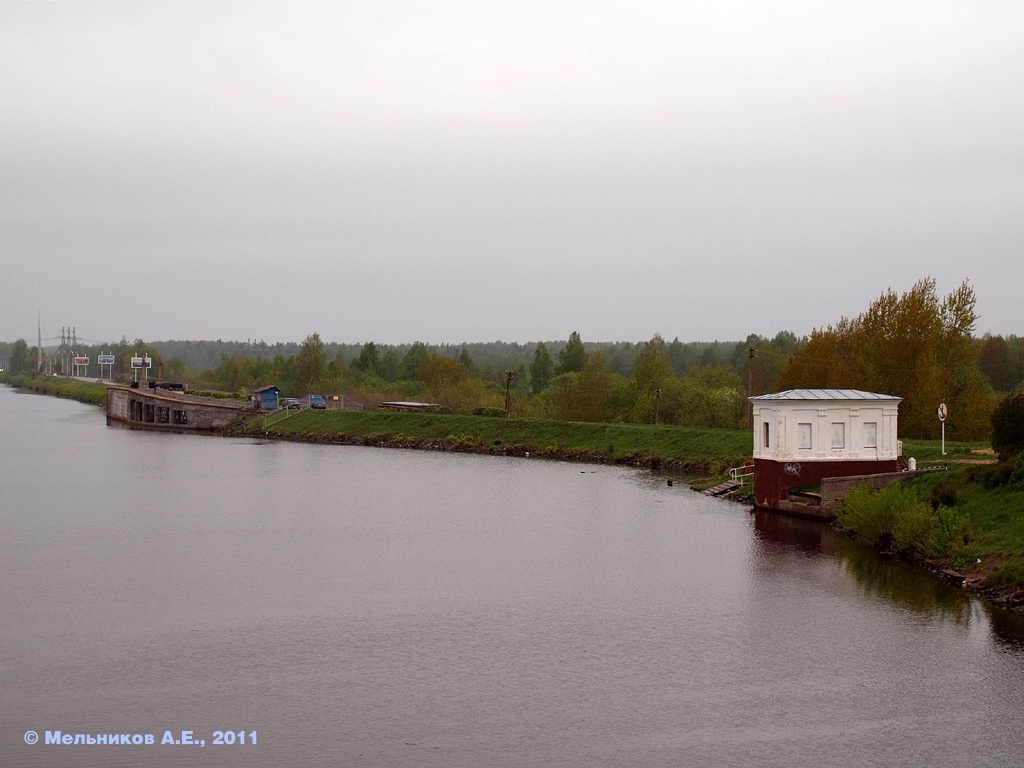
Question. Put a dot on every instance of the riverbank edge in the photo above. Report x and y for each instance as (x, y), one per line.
(698, 469)
(88, 392)
(699, 453)
(699, 472)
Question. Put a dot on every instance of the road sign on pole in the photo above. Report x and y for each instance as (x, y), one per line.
(943, 413)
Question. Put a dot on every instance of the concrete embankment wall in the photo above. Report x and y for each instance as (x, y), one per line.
(162, 409)
(834, 489)
(833, 493)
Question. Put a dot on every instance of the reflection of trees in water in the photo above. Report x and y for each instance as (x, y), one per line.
(908, 586)
(1008, 628)
(905, 585)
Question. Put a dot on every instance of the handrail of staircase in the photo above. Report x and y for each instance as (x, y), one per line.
(736, 474)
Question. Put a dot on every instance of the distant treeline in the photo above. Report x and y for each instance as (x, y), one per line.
(498, 356)
(201, 360)
(915, 345)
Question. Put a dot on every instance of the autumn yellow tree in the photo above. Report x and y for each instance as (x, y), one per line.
(913, 345)
(585, 395)
(455, 387)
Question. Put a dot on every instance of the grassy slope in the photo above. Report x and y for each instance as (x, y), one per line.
(83, 391)
(997, 517)
(930, 451)
(690, 448)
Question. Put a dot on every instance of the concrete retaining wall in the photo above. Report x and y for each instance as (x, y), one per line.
(826, 505)
(163, 410)
(834, 489)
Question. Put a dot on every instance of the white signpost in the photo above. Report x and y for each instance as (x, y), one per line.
(107, 360)
(144, 363)
(943, 413)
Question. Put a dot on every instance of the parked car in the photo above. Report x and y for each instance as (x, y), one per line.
(318, 402)
(290, 402)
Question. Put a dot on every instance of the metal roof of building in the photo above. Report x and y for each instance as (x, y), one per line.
(797, 395)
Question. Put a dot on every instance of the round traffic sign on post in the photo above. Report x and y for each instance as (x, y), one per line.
(943, 411)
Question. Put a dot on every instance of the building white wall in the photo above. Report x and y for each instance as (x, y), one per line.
(825, 431)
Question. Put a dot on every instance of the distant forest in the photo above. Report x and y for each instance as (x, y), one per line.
(916, 345)
(495, 356)
(492, 359)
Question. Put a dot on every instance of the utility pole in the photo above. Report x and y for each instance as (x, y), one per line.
(508, 391)
(657, 404)
(751, 353)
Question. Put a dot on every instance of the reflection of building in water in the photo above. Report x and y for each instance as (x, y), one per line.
(803, 436)
(809, 537)
(792, 544)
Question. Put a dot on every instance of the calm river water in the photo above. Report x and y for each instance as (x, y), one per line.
(373, 607)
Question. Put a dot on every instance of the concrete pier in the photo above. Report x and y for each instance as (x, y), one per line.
(162, 409)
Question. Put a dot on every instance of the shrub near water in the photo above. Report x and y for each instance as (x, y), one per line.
(896, 515)
(867, 514)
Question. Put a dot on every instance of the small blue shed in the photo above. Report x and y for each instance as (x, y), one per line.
(266, 397)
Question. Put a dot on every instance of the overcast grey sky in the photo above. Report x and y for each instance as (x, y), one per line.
(473, 171)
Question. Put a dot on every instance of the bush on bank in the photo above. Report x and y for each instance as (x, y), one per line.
(1008, 427)
(897, 517)
(1007, 474)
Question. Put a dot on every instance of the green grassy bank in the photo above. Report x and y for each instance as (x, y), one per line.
(992, 498)
(689, 449)
(930, 451)
(83, 391)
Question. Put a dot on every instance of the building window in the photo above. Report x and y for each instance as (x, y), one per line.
(766, 434)
(870, 434)
(838, 434)
(805, 437)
